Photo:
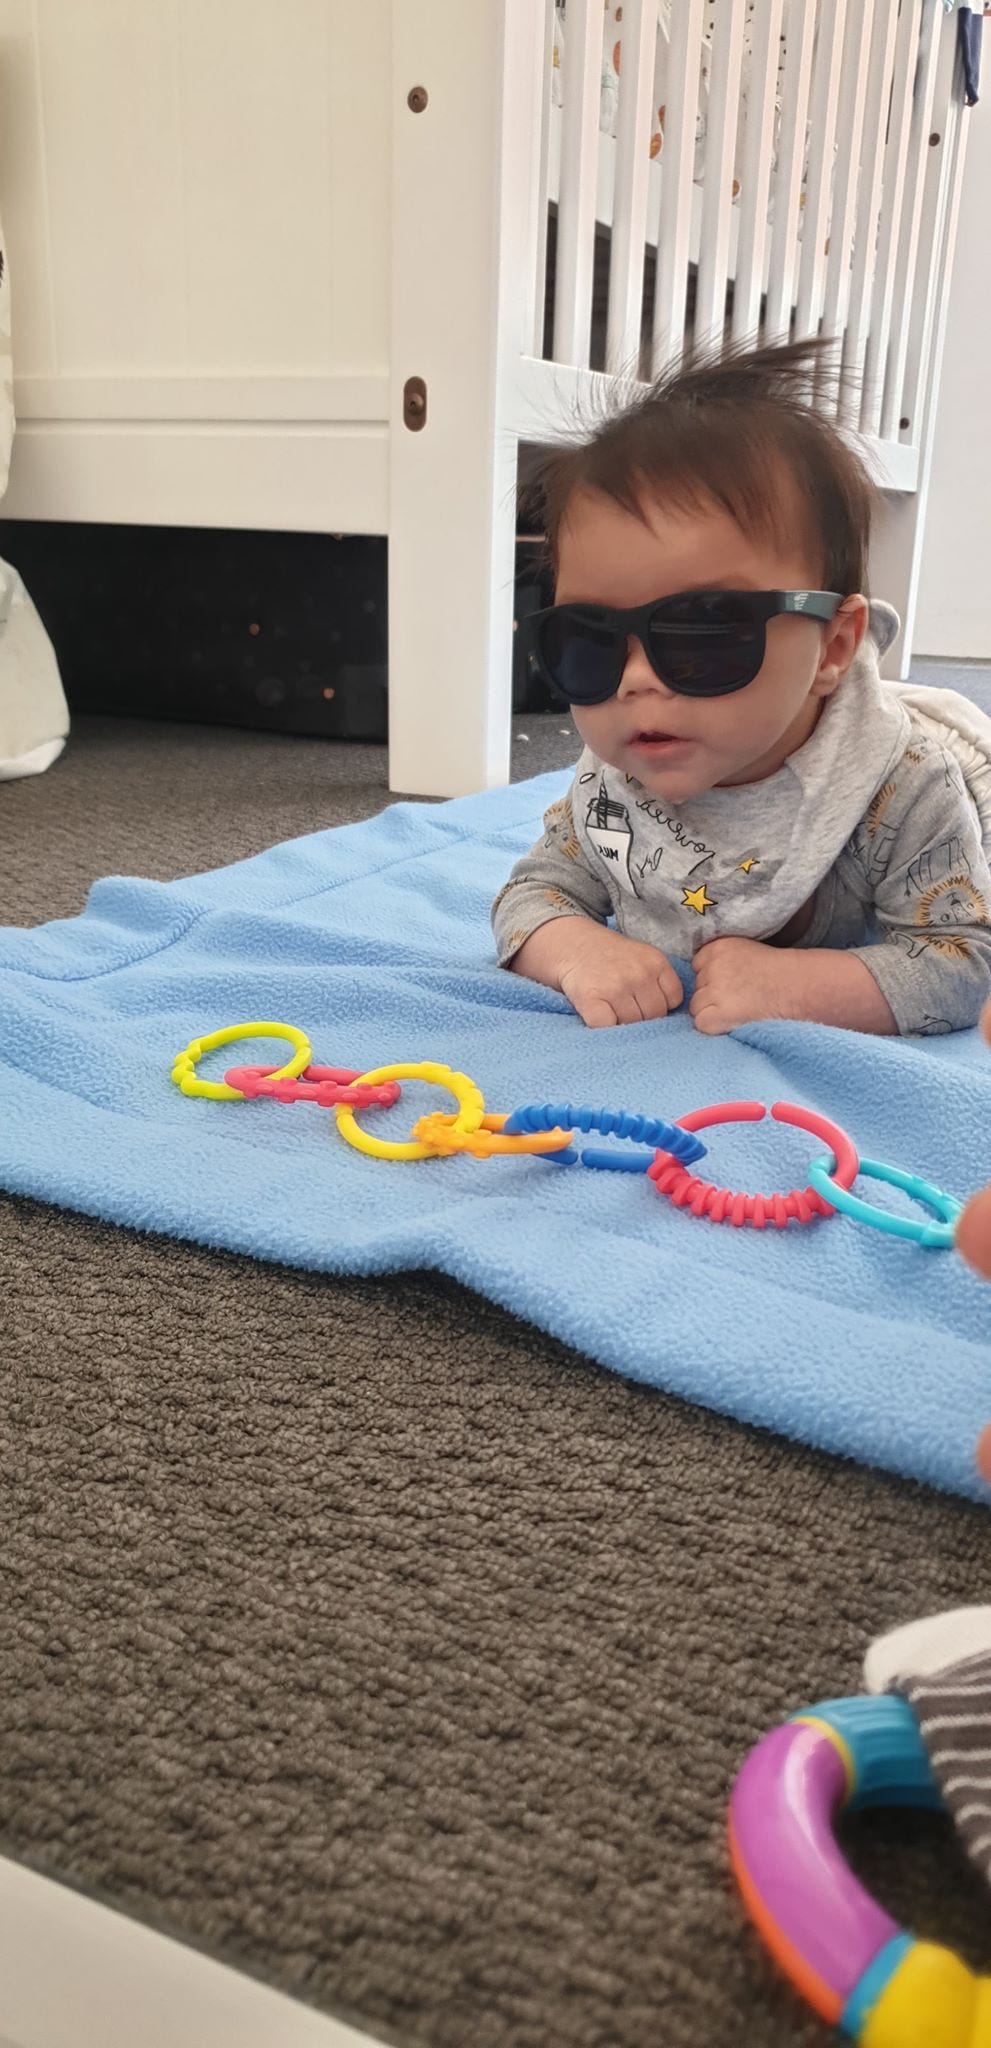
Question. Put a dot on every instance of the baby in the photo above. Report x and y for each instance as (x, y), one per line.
(751, 795)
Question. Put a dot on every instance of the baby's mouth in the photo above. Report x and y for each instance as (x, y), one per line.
(656, 742)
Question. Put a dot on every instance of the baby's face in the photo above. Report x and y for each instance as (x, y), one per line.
(677, 747)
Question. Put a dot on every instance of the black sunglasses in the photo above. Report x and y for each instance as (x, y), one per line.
(701, 643)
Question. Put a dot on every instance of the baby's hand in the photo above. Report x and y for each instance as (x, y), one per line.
(610, 979)
(738, 981)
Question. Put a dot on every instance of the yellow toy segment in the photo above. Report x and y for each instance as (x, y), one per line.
(471, 1109)
(184, 1070)
(932, 2001)
(980, 2032)
(440, 1133)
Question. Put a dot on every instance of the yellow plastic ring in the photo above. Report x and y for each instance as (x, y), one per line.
(184, 1069)
(471, 1109)
(440, 1132)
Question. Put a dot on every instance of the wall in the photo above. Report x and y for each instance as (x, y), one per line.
(954, 615)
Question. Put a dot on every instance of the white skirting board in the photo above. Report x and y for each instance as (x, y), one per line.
(73, 1974)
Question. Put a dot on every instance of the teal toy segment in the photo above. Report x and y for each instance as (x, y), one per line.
(890, 1761)
(875, 1980)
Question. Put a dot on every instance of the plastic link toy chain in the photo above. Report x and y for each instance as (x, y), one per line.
(471, 1109)
(547, 1130)
(725, 1205)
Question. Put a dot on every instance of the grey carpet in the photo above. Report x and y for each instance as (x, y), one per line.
(362, 1635)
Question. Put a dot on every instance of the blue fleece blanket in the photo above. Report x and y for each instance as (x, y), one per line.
(374, 939)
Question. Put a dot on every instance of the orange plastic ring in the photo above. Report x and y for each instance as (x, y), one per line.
(438, 1130)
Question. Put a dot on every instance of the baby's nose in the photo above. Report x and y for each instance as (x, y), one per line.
(637, 672)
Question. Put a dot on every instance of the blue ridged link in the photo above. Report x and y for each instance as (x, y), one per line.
(616, 1162)
(653, 1131)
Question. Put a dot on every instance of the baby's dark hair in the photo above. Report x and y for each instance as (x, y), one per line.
(734, 429)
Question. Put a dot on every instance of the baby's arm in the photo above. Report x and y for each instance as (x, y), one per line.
(933, 909)
(550, 925)
(931, 892)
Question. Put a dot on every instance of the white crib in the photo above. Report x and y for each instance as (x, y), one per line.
(286, 266)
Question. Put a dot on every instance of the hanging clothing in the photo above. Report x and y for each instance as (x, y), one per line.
(970, 31)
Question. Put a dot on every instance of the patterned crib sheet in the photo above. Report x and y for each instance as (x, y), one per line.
(612, 57)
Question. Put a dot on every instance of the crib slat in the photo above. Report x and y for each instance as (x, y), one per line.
(865, 234)
(892, 197)
(787, 180)
(822, 121)
(908, 245)
(717, 187)
(579, 163)
(846, 173)
(677, 165)
(629, 211)
(937, 236)
(755, 173)
(537, 267)
(897, 552)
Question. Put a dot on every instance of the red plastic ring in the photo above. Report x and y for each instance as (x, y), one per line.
(724, 1205)
(326, 1086)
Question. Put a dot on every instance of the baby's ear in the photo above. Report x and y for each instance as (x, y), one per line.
(840, 641)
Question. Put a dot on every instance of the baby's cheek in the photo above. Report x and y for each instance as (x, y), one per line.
(596, 727)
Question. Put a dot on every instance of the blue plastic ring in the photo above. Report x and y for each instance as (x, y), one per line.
(613, 1123)
(938, 1236)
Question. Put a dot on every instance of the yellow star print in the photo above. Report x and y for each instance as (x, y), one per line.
(750, 862)
(696, 899)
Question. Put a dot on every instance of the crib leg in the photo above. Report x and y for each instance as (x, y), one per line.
(896, 564)
(456, 310)
(452, 541)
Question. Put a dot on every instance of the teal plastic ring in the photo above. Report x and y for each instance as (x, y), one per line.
(937, 1236)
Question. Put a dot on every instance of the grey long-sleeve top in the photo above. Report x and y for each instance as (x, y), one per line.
(872, 819)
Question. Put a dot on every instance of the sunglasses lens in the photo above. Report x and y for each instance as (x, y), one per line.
(706, 645)
(582, 654)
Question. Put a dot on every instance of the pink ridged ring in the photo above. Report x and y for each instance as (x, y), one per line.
(726, 1205)
(326, 1086)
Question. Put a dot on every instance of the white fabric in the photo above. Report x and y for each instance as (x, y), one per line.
(33, 763)
(921, 1648)
(34, 716)
(6, 371)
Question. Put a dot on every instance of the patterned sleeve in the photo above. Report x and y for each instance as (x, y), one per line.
(552, 880)
(930, 886)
